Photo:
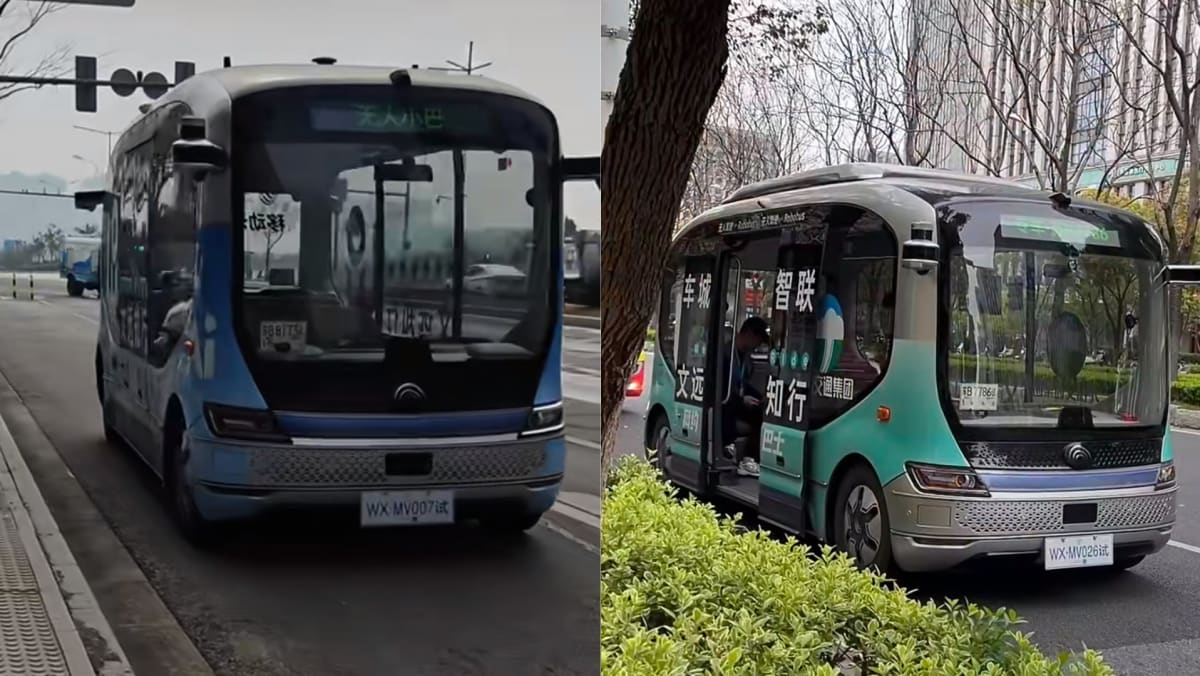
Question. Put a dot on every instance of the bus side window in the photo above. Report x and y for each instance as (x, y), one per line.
(668, 313)
(856, 312)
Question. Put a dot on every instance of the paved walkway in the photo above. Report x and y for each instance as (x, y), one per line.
(47, 611)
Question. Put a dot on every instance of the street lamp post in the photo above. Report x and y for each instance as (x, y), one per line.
(95, 166)
(105, 132)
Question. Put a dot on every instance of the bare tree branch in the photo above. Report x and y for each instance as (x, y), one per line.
(19, 18)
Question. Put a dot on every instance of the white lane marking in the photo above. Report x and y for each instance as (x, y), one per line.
(586, 443)
(569, 535)
(85, 318)
(1182, 430)
(1185, 547)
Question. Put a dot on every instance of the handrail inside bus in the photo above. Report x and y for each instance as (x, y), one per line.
(737, 302)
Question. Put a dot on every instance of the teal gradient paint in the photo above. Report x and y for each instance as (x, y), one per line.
(917, 432)
(662, 395)
(1168, 453)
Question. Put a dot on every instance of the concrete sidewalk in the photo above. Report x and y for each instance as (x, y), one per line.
(49, 621)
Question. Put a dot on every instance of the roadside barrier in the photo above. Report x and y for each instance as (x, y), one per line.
(22, 291)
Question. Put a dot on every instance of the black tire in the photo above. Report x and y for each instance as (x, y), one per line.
(660, 437)
(74, 288)
(867, 540)
(110, 432)
(197, 530)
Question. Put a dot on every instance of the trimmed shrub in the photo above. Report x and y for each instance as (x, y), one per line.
(685, 592)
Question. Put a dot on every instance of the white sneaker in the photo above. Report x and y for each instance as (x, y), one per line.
(730, 451)
(747, 467)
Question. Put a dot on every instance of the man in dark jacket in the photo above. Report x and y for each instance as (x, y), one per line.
(741, 415)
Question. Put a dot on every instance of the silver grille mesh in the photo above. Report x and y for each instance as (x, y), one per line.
(365, 467)
(1045, 516)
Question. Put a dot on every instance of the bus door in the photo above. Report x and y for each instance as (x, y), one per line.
(694, 300)
(773, 275)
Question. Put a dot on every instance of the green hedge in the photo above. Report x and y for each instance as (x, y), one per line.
(684, 592)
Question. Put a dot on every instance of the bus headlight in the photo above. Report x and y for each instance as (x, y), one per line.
(1166, 475)
(947, 480)
(544, 420)
(243, 423)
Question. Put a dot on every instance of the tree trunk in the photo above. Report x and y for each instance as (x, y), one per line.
(673, 69)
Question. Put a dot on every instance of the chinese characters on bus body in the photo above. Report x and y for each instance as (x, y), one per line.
(696, 293)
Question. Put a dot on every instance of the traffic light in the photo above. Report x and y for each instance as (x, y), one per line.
(123, 82)
(85, 88)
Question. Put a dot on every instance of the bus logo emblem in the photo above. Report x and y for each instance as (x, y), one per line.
(1077, 456)
(408, 393)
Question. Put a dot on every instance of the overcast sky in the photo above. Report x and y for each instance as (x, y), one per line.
(549, 48)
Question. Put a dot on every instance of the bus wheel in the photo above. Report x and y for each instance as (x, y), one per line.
(110, 432)
(195, 528)
(660, 437)
(74, 287)
(860, 520)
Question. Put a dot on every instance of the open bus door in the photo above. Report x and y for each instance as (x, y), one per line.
(774, 274)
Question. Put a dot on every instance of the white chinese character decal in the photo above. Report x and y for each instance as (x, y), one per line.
(772, 442)
(684, 375)
(705, 291)
(806, 281)
(698, 385)
(797, 395)
(774, 397)
(689, 291)
(783, 289)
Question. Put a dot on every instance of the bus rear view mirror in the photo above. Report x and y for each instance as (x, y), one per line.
(198, 156)
(410, 173)
(1183, 275)
(88, 200)
(580, 168)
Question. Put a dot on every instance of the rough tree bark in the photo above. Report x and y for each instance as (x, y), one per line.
(673, 69)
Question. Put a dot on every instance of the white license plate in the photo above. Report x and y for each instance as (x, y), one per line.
(1079, 551)
(406, 508)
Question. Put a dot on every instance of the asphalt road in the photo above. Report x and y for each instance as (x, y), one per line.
(1144, 621)
(310, 595)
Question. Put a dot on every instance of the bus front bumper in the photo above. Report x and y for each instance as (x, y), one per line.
(934, 532)
(243, 481)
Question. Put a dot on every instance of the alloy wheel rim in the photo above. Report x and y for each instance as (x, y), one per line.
(863, 525)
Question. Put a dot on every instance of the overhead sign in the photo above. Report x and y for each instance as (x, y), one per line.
(397, 118)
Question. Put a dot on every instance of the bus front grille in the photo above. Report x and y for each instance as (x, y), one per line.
(1028, 517)
(309, 467)
(1113, 454)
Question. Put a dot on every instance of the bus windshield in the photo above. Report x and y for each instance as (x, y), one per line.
(377, 223)
(1057, 317)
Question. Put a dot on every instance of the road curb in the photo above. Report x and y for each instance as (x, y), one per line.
(56, 569)
(145, 629)
(1184, 417)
